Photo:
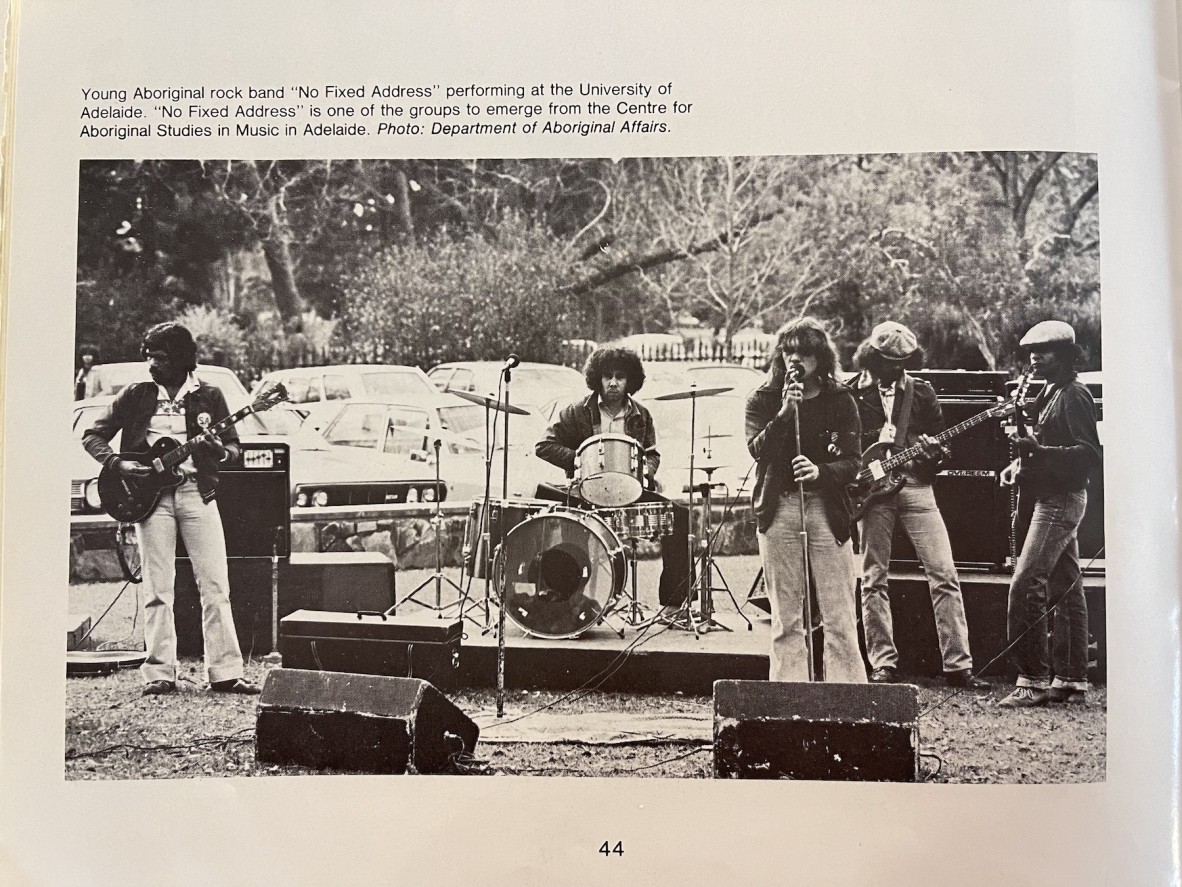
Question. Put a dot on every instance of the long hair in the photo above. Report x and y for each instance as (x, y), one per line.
(809, 336)
(606, 360)
(174, 340)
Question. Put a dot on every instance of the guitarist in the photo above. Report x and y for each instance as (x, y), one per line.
(176, 404)
(1052, 474)
(896, 407)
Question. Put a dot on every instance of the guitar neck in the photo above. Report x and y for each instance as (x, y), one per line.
(175, 457)
(907, 455)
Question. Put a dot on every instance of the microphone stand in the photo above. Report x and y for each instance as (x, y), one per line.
(508, 372)
(793, 376)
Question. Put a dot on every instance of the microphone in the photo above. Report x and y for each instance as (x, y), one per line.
(512, 361)
(795, 371)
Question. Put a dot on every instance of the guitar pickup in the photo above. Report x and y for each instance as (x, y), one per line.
(875, 469)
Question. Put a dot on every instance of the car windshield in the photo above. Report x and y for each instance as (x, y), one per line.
(363, 424)
(396, 384)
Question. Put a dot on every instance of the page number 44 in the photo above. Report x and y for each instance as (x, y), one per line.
(607, 848)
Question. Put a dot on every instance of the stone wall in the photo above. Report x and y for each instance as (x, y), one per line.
(404, 533)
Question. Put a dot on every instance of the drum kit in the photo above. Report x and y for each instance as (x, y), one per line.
(556, 569)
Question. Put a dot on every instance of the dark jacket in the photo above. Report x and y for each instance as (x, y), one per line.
(1069, 447)
(772, 443)
(131, 412)
(580, 420)
(926, 418)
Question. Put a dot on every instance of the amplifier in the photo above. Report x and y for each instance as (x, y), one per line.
(254, 499)
(948, 383)
(346, 581)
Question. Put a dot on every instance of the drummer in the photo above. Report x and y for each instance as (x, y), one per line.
(614, 375)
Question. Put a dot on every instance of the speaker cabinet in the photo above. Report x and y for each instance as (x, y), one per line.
(360, 723)
(254, 499)
(344, 581)
(856, 732)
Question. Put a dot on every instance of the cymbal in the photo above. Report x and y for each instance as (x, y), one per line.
(694, 392)
(715, 436)
(487, 400)
(704, 466)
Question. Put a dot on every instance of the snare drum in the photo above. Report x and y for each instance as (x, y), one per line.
(503, 516)
(651, 520)
(609, 470)
(557, 572)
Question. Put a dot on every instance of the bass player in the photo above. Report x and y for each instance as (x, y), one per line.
(897, 408)
(176, 404)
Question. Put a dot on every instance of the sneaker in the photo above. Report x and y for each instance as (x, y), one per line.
(159, 688)
(885, 675)
(1066, 694)
(1025, 697)
(237, 685)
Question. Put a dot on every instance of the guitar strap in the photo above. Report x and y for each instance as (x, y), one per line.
(904, 412)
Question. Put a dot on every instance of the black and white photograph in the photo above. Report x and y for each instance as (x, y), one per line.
(694, 467)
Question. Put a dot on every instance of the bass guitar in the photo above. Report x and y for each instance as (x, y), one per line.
(878, 475)
(131, 499)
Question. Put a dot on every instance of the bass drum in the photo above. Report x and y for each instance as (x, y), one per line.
(557, 573)
(502, 516)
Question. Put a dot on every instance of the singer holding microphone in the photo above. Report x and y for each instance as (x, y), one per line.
(803, 431)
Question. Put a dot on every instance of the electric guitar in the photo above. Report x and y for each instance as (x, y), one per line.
(878, 475)
(131, 499)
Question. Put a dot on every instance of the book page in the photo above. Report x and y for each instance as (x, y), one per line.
(259, 100)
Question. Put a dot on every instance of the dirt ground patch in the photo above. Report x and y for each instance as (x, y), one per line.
(113, 733)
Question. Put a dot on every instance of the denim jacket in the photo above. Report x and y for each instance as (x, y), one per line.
(131, 412)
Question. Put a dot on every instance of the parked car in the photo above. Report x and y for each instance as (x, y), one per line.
(320, 474)
(111, 378)
(312, 388)
(649, 345)
(718, 425)
(540, 386)
(411, 430)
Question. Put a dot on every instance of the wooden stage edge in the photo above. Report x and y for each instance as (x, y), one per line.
(660, 659)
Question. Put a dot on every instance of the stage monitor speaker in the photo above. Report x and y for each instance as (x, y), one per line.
(254, 499)
(776, 730)
(360, 723)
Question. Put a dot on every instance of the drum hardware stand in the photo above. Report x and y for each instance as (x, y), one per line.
(274, 658)
(684, 618)
(710, 566)
(437, 577)
(483, 535)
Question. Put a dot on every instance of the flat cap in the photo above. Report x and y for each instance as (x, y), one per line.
(1048, 332)
(893, 340)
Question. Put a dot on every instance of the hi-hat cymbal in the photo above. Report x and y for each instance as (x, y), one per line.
(693, 392)
(704, 466)
(487, 400)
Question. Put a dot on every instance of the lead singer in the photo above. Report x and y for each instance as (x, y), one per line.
(801, 381)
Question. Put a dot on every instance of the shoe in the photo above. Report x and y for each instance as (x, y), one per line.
(237, 685)
(1025, 697)
(159, 688)
(887, 674)
(966, 680)
(1067, 694)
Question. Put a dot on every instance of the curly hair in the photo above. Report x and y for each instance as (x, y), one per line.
(809, 336)
(176, 341)
(606, 360)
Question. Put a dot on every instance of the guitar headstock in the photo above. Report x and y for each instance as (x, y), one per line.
(1023, 385)
(271, 394)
